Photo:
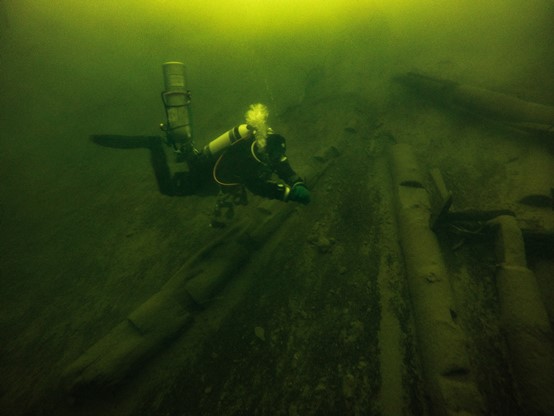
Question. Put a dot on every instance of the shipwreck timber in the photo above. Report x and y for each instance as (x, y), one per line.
(524, 320)
(449, 377)
(168, 313)
(514, 112)
(536, 184)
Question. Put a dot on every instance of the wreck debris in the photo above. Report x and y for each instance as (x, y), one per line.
(446, 367)
(514, 112)
(168, 313)
(524, 320)
(443, 199)
(534, 181)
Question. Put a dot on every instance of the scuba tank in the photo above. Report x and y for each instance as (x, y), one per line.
(176, 99)
(216, 147)
(256, 119)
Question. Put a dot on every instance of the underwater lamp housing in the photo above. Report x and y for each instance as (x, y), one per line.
(176, 100)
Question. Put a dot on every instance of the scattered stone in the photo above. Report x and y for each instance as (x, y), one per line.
(348, 386)
(260, 333)
(320, 387)
(322, 242)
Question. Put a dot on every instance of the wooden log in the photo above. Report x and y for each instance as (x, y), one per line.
(120, 352)
(169, 312)
(520, 114)
(447, 372)
(524, 321)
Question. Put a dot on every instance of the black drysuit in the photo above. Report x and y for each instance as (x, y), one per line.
(243, 164)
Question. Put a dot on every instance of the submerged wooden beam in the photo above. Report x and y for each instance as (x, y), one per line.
(524, 320)
(512, 111)
(450, 382)
(168, 313)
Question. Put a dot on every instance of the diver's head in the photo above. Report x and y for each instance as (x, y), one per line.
(275, 147)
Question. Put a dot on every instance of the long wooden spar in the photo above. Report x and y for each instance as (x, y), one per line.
(515, 112)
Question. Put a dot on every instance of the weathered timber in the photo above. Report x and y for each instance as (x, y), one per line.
(524, 320)
(521, 114)
(447, 372)
(168, 313)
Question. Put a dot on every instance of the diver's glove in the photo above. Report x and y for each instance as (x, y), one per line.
(299, 193)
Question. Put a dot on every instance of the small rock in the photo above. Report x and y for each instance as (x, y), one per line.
(432, 278)
(260, 332)
(348, 386)
(321, 387)
(323, 244)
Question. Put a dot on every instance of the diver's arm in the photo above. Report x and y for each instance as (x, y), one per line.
(296, 189)
(297, 192)
(284, 170)
(269, 189)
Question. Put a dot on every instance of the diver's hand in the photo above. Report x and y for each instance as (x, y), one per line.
(299, 193)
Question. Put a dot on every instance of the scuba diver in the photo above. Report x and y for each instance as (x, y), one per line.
(247, 157)
(251, 157)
